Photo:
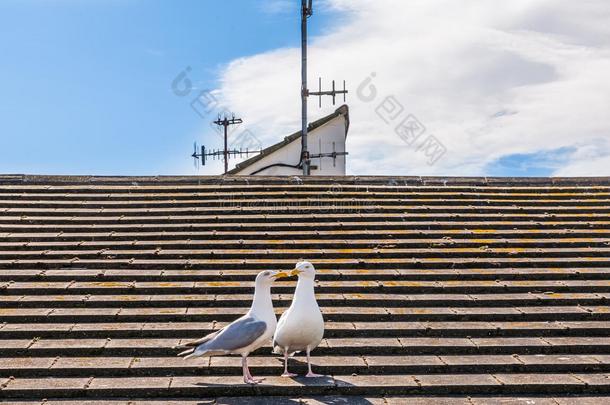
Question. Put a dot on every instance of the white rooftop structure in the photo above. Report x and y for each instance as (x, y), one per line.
(326, 135)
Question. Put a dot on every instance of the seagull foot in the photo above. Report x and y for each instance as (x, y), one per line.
(313, 375)
(252, 381)
(289, 375)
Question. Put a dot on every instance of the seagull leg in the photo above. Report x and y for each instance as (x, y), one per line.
(309, 372)
(248, 379)
(286, 373)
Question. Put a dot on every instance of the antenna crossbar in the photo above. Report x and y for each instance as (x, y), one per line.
(333, 93)
(334, 154)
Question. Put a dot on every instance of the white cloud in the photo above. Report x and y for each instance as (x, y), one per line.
(488, 79)
(589, 159)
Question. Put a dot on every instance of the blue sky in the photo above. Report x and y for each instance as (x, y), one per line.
(86, 85)
(517, 88)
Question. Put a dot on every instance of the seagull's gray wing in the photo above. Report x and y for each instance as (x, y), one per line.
(237, 335)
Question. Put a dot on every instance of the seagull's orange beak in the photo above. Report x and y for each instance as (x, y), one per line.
(281, 274)
(295, 272)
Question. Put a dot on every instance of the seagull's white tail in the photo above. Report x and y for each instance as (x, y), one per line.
(189, 352)
(191, 356)
(192, 353)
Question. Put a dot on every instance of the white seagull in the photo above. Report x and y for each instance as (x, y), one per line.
(301, 327)
(245, 334)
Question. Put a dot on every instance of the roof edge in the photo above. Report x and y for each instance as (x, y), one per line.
(16, 179)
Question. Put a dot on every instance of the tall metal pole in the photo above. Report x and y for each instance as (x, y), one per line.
(226, 153)
(305, 12)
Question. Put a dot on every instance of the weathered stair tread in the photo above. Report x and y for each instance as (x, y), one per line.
(25, 367)
(588, 186)
(322, 286)
(309, 220)
(92, 234)
(355, 385)
(443, 244)
(355, 274)
(422, 262)
(333, 329)
(246, 274)
(330, 310)
(335, 346)
(259, 253)
(283, 300)
(254, 400)
(198, 223)
(369, 210)
(331, 314)
(149, 200)
(331, 399)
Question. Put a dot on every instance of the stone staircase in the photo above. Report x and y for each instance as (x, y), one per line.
(434, 290)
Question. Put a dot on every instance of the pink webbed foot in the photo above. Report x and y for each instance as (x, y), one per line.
(253, 380)
(289, 375)
(313, 375)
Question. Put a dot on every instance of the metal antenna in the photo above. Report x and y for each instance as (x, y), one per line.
(225, 123)
(332, 154)
(333, 93)
(225, 153)
(194, 155)
(306, 12)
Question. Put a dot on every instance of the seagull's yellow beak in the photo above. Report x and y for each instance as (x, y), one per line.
(295, 272)
(281, 274)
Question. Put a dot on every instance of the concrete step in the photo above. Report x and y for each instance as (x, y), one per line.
(346, 235)
(211, 184)
(201, 386)
(332, 399)
(398, 290)
(329, 215)
(339, 263)
(285, 191)
(322, 274)
(332, 329)
(265, 243)
(360, 345)
(310, 207)
(15, 201)
(389, 225)
(480, 253)
(134, 298)
(23, 367)
(331, 314)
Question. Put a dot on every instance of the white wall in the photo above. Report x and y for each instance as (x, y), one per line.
(332, 131)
